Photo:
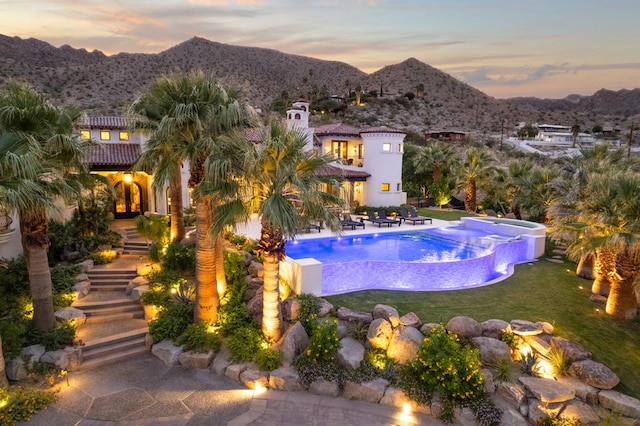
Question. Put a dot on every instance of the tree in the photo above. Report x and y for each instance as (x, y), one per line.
(40, 160)
(278, 179)
(476, 165)
(420, 91)
(358, 93)
(438, 158)
(528, 131)
(575, 131)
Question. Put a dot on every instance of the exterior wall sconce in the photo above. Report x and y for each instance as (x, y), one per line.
(128, 177)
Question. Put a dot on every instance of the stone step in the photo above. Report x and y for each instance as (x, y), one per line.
(97, 347)
(99, 304)
(101, 318)
(117, 309)
(123, 272)
(108, 287)
(136, 252)
(103, 279)
(121, 352)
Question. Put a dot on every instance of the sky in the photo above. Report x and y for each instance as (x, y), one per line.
(505, 48)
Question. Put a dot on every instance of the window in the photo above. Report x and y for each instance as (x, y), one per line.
(400, 148)
(297, 117)
(386, 147)
(360, 151)
(124, 136)
(105, 135)
(398, 187)
(386, 187)
(85, 135)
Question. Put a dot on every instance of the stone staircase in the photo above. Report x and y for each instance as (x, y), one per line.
(134, 244)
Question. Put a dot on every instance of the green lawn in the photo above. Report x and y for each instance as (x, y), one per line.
(539, 291)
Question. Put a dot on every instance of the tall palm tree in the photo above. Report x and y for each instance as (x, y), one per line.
(438, 158)
(40, 159)
(476, 165)
(575, 131)
(278, 179)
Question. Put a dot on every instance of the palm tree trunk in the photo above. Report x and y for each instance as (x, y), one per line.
(470, 197)
(622, 303)
(585, 266)
(3, 375)
(221, 277)
(177, 209)
(271, 298)
(35, 244)
(207, 298)
(603, 268)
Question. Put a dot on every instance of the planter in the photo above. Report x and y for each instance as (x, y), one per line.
(5, 236)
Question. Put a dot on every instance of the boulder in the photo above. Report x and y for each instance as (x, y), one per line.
(372, 391)
(578, 410)
(404, 344)
(195, 359)
(15, 369)
(290, 309)
(494, 328)
(81, 277)
(254, 378)
(512, 392)
(32, 354)
(491, 350)
(248, 257)
(167, 352)
(85, 266)
(525, 328)
(464, 327)
(256, 269)
(620, 403)
(586, 393)
(325, 308)
(511, 416)
(82, 289)
(350, 315)
(343, 329)
(285, 379)
(136, 293)
(547, 390)
(60, 358)
(572, 351)
(255, 307)
(539, 410)
(136, 282)
(489, 383)
(253, 286)
(387, 312)
(410, 320)
(594, 374)
(234, 371)
(539, 345)
(546, 327)
(397, 398)
(350, 354)
(324, 388)
(428, 327)
(73, 316)
(221, 362)
(379, 334)
(293, 343)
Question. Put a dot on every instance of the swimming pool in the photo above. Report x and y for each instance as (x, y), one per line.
(446, 258)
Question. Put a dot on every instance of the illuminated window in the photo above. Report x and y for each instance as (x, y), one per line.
(360, 151)
(85, 135)
(105, 135)
(386, 187)
(386, 147)
(124, 136)
(400, 147)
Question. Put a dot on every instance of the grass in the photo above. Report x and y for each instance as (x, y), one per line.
(444, 214)
(538, 291)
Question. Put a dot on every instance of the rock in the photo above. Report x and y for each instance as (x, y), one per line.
(324, 388)
(546, 327)
(195, 359)
(136, 282)
(82, 289)
(512, 392)
(410, 320)
(285, 379)
(539, 410)
(512, 417)
(404, 344)
(495, 328)
(343, 329)
(387, 312)
(598, 298)
(255, 308)
(59, 358)
(372, 391)
(350, 315)
(491, 350)
(427, 328)
(325, 308)
(538, 344)
(525, 328)
(594, 374)
(464, 416)
(572, 351)
(397, 398)
(379, 334)
(547, 390)
(221, 362)
(293, 343)
(15, 369)
(150, 312)
(73, 316)
(578, 410)
(81, 277)
(32, 354)
(586, 393)
(136, 293)
(464, 327)
(148, 342)
(248, 257)
(254, 283)
(620, 403)
(256, 269)
(234, 371)
(254, 378)
(167, 352)
(290, 309)
(85, 266)
(350, 354)
(489, 383)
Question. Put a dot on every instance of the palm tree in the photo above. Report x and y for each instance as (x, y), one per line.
(420, 91)
(476, 165)
(40, 154)
(537, 192)
(358, 93)
(575, 131)
(278, 179)
(438, 157)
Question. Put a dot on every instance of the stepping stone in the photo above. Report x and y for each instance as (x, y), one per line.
(554, 260)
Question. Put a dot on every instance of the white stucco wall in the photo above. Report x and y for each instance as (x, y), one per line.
(384, 167)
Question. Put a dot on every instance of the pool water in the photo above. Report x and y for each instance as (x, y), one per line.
(435, 259)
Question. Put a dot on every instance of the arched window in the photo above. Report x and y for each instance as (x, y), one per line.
(304, 108)
(289, 116)
(297, 116)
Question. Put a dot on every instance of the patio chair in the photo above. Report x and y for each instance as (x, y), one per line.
(405, 216)
(383, 216)
(307, 226)
(348, 222)
(371, 217)
(413, 213)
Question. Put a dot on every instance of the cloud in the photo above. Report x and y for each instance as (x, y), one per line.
(226, 2)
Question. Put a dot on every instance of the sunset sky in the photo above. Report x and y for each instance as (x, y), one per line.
(506, 48)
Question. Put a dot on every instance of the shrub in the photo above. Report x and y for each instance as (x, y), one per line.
(58, 336)
(179, 257)
(309, 309)
(157, 296)
(310, 370)
(22, 403)
(13, 332)
(199, 338)
(244, 343)
(487, 414)
(358, 331)
(171, 322)
(554, 421)
(511, 339)
(451, 370)
(268, 359)
(375, 364)
(233, 317)
(103, 257)
(503, 370)
(324, 342)
(558, 361)
(529, 364)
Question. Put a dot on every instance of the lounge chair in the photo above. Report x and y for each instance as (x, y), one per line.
(405, 216)
(413, 213)
(307, 226)
(371, 217)
(383, 215)
(348, 222)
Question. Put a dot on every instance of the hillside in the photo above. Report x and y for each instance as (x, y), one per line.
(101, 84)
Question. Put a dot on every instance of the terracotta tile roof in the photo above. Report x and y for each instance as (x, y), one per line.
(113, 154)
(337, 129)
(382, 129)
(104, 122)
(347, 174)
(253, 134)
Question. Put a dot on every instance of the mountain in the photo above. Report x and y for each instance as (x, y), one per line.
(101, 84)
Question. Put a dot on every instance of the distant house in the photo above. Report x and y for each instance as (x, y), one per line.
(446, 135)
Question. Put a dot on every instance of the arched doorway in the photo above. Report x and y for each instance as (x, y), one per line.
(128, 203)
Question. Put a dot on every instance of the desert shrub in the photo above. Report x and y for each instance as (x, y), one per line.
(58, 336)
(183, 291)
(22, 403)
(529, 364)
(268, 359)
(558, 361)
(244, 343)
(309, 309)
(179, 257)
(503, 370)
(171, 322)
(448, 368)
(511, 339)
(199, 338)
(358, 331)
